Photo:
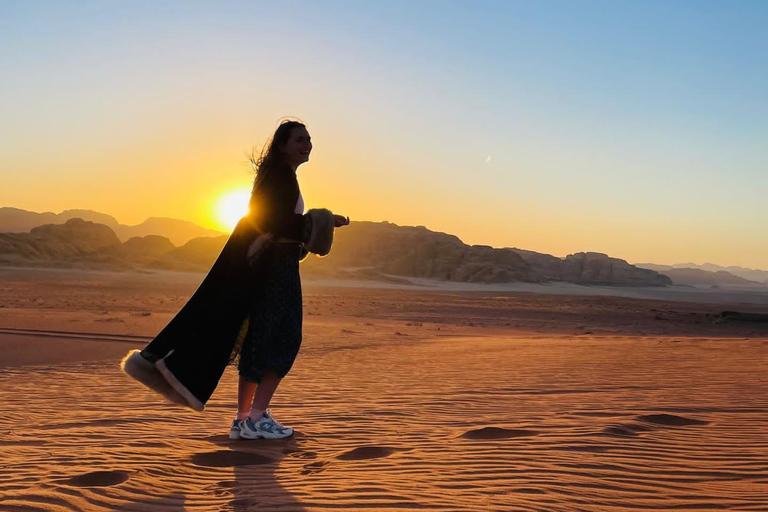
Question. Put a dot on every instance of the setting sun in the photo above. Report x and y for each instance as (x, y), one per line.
(231, 207)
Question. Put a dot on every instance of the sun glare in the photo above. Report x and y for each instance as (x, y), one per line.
(232, 206)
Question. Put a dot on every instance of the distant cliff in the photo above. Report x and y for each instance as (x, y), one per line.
(698, 277)
(76, 243)
(709, 274)
(16, 220)
(366, 250)
(387, 248)
(591, 268)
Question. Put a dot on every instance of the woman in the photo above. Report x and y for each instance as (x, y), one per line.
(256, 280)
(274, 330)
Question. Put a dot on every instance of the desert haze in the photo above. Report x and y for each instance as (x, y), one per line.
(366, 250)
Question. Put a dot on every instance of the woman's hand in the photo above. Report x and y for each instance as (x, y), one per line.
(340, 220)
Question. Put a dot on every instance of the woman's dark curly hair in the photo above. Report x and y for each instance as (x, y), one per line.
(272, 156)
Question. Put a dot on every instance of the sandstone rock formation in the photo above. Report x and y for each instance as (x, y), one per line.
(177, 231)
(59, 244)
(597, 268)
(592, 268)
(418, 252)
(750, 274)
(197, 254)
(367, 250)
(16, 220)
(142, 250)
(698, 277)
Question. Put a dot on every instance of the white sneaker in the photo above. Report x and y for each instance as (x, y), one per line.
(265, 427)
(234, 430)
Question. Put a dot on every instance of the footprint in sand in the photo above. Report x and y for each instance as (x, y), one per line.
(299, 454)
(366, 452)
(626, 429)
(242, 504)
(488, 433)
(314, 467)
(228, 459)
(670, 420)
(98, 479)
(223, 488)
(620, 431)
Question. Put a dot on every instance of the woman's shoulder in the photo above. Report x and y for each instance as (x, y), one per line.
(280, 175)
(274, 178)
(278, 183)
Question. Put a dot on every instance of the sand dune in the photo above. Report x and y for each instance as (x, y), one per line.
(449, 424)
(398, 404)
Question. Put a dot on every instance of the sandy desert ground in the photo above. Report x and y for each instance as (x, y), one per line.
(403, 398)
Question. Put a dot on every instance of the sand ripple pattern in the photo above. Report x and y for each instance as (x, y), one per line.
(546, 424)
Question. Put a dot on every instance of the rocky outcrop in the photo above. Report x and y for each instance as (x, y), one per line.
(750, 274)
(85, 235)
(75, 240)
(591, 268)
(142, 250)
(546, 265)
(197, 254)
(698, 277)
(418, 252)
(177, 231)
(595, 268)
(368, 249)
(16, 220)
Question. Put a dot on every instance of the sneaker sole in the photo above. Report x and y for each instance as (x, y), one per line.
(264, 436)
(234, 435)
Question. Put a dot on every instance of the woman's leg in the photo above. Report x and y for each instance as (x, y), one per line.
(254, 398)
(269, 382)
(245, 391)
(258, 425)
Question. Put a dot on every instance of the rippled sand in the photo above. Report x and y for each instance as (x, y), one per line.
(393, 414)
(445, 424)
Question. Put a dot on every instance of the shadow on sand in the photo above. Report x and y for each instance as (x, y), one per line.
(173, 501)
(254, 464)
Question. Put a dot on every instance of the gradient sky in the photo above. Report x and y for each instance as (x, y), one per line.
(637, 129)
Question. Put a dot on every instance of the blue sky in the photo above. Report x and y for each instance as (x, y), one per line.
(632, 128)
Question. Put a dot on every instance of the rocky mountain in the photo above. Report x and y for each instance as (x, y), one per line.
(197, 254)
(751, 274)
(74, 243)
(387, 248)
(366, 250)
(177, 231)
(598, 268)
(591, 268)
(708, 274)
(141, 250)
(698, 277)
(16, 220)
(86, 244)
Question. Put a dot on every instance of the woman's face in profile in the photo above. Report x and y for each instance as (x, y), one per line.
(298, 147)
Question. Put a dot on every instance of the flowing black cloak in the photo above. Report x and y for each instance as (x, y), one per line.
(185, 361)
